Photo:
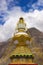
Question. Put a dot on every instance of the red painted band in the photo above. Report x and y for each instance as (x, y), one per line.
(23, 64)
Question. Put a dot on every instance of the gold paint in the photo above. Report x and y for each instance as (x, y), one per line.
(21, 48)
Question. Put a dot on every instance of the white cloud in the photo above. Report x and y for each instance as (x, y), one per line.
(37, 4)
(3, 5)
(36, 19)
(8, 28)
(40, 2)
(33, 19)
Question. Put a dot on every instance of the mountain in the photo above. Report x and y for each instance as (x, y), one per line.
(36, 34)
(36, 47)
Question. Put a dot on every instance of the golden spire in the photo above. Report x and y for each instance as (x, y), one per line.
(22, 53)
(21, 25)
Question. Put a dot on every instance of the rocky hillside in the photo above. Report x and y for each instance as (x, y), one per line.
(36, 46)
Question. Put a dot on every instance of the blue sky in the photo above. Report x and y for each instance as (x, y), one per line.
(25, 5)
(22, 3)
(12, 10)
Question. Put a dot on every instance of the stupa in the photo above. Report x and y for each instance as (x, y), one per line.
(22, 53)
